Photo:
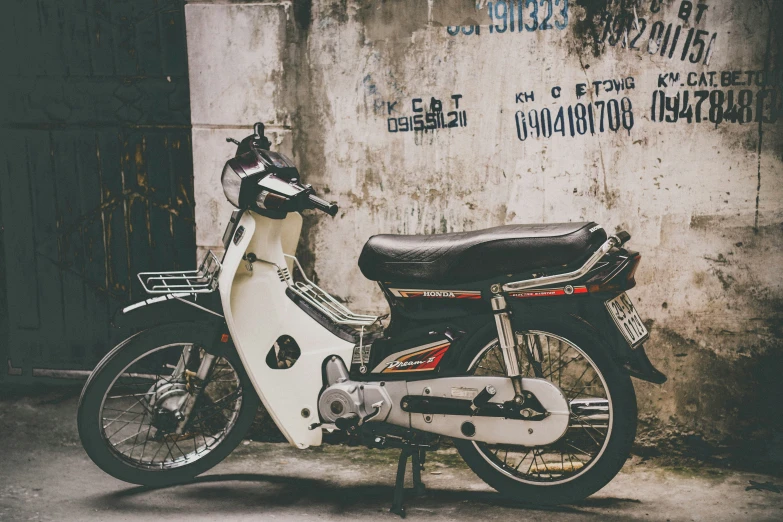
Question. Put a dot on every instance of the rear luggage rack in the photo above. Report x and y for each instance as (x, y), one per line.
(201, 281)
(321, 300)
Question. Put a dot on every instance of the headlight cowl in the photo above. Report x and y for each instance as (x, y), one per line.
(241, 175)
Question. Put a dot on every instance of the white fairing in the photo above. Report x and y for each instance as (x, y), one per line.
(258, 312)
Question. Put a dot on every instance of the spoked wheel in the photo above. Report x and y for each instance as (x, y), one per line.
(141, 408)
(161, 409)
(602, 421)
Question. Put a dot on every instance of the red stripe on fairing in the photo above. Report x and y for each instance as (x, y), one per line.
(468, 296)
(548, 292)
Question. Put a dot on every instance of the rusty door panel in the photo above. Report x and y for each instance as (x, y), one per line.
(96, 176)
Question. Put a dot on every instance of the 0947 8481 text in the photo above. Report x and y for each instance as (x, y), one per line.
(739, 107)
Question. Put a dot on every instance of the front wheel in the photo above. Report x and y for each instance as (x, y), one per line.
(147, 416)
(602, 422)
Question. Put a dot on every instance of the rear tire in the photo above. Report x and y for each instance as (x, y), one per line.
(91, 410)
(621, 433)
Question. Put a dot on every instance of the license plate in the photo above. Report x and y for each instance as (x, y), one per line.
(627, 320)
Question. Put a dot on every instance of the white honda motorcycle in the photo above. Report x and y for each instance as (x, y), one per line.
(516, 342)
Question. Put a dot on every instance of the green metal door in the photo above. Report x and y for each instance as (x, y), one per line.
(96, 177)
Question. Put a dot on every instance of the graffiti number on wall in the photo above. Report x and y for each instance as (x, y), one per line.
(519, 16)
(715, 106)
(572, 120)
(713, 99)
(625, 28)
(428, 116)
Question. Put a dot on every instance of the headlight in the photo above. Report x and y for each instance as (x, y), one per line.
(241, 175)
(232, 183)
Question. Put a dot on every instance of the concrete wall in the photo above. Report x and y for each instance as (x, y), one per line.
(339, 81)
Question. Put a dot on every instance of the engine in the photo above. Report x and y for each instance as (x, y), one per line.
(344, 397)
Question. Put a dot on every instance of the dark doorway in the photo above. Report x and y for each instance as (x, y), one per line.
(96, 176)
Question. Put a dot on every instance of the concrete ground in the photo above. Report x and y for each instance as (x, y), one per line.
(45, 475)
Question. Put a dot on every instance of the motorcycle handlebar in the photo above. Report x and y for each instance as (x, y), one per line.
(325, 206)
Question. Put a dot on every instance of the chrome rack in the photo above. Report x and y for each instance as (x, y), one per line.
(201, 281)
(321, 300)
(568, 276)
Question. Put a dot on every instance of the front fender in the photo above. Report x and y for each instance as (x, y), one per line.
(170, 308)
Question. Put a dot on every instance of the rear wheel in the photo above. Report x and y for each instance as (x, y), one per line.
(131, 418)
(602, 423)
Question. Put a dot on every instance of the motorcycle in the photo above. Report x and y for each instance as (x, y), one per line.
(517, 343)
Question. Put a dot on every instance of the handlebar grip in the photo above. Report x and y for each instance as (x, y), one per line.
(320, 204)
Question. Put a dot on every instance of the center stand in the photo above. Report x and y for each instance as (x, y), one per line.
(413, 445)
(417, 456)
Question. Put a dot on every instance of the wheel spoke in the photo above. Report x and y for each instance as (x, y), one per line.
(583, 452)
(501, 364)
(491, 370)
(578, 391)
(142, 395)
(522, 460)
(582, 425)
(160, 447)
(144, 446)
(560, 368)
(122, 427)
(136, 414)
(128, 438)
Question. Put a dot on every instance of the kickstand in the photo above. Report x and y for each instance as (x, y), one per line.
(417, 457)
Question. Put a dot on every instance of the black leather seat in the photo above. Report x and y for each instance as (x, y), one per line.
(474, 256)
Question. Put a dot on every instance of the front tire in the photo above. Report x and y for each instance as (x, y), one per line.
(122, 420)
(576, 476)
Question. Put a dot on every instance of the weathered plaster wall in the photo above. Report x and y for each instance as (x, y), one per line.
(338, 81)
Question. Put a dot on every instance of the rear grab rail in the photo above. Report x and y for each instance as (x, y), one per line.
(613, 241)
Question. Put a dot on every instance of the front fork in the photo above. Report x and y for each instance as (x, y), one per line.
(195, 382)
(509, 347)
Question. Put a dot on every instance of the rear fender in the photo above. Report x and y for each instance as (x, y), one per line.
(633, 360)
(171, 308)
(592, 312)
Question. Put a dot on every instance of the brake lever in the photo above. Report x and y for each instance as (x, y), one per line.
(232, 140)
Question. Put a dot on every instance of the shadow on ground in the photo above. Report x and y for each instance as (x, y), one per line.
(247, 491)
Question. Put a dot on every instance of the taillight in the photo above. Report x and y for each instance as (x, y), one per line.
(621, 280)
(631, 272)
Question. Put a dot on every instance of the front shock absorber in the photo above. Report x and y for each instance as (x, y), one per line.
(195, 388)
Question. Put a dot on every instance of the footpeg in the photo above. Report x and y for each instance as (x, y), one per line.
(350, 422)
(481, 400)
(347, 423)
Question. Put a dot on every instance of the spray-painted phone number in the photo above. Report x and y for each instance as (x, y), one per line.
(519, 16)
(428, 116)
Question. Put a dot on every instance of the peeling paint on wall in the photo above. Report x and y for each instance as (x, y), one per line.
(661, 117)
